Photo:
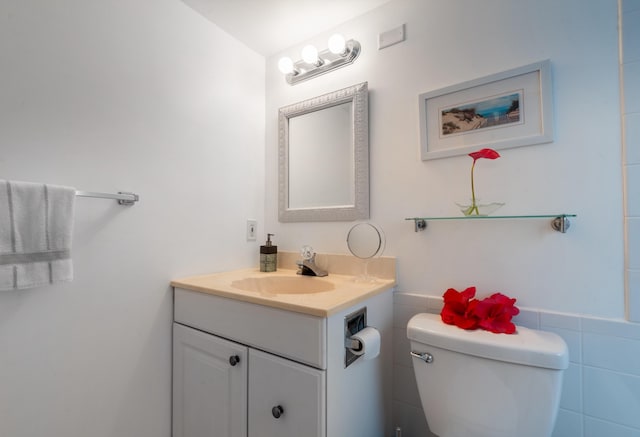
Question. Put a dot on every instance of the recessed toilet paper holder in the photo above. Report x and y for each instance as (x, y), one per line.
(353, 323)
(352, 343)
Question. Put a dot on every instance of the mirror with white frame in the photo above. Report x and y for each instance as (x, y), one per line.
(323, 157)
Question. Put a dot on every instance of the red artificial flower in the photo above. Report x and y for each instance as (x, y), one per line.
(494, 313)
(459, 308)
(484, 153)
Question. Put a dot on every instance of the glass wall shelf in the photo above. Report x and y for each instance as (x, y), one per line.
(559, 222)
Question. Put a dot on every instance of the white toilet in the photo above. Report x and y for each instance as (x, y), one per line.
(481, 384)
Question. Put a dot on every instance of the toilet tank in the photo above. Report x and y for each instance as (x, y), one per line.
(483, 384)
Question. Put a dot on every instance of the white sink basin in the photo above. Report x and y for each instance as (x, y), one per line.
(284, 285)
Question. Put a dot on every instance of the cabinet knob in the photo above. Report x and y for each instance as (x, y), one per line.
(277, 411)
(234, 359)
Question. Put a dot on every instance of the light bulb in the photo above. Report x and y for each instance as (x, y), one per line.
(337, 44)
(310, 54)
(285, 65)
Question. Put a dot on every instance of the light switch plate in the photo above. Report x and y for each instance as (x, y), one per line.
(252, 229)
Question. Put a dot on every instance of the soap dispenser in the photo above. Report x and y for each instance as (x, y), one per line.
(268, 256)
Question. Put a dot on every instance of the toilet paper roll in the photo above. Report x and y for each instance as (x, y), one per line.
(369, 338)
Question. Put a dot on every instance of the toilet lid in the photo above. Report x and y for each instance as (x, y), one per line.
(527, 346)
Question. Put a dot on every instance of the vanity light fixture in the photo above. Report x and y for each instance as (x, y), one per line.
(314, 63)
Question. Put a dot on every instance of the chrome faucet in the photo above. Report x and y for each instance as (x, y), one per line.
(307, 265)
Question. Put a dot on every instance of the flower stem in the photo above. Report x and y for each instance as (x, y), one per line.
(474, 207)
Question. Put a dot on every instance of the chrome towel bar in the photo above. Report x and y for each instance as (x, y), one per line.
(122, 197)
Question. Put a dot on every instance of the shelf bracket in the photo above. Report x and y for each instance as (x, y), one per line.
(561, 223)
(419, 224)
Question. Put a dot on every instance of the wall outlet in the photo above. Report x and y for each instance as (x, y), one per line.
(252, 229)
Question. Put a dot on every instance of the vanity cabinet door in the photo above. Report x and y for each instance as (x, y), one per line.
(209, 385)
(286, 399)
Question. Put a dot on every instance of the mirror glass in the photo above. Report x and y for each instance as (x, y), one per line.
(324, 157)
(366, 241)
(310, 155)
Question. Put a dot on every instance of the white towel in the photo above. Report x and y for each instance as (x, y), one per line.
(36, 225)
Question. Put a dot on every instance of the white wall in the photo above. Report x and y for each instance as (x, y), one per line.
(580, 172)
(630, 67)
(580, 273)
(142, 96)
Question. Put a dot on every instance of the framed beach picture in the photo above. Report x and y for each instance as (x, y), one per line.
(508, 109)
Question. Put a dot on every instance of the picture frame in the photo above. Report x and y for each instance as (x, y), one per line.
(509, 109)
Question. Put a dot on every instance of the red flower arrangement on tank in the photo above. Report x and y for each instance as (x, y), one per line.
(492, 313)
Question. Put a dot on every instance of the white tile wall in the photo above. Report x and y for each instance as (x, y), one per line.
(633, 190)
(572, 393)
(631, 86)
(630, 38)
(633, 238)
(631, 34)
(556, 320)
(600, 428)
(630, 5)
(569, 424)
(633, 276)
(609, 352)
(612, 396)
(632, 137)
(601, 387)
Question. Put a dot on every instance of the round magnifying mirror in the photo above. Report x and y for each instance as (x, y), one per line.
(366, 241)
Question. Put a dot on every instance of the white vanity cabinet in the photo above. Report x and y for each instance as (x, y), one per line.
(286, 399)
(209, 385)
(213, 377)
(289, 377)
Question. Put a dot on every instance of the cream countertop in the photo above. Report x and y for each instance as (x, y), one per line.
(345, 293)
